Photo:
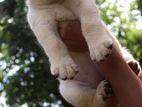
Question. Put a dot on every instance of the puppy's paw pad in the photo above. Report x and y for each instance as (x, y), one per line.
(134, 65)
(104, 91)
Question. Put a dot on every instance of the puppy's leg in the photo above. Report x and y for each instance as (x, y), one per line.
(104, 91)
(99, 42)
(81, 95)
(45, 28)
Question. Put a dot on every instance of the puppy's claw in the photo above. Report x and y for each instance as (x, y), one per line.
(107, 55)
(110, 47)
(56, 75)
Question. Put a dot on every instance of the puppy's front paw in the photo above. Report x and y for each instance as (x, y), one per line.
(64, 69)
(104, 91)
(100, 49)
(134, 65)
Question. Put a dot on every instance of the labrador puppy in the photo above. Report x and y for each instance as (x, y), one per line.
(43, 17)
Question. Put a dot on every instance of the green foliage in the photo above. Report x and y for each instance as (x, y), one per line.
(24, 68)
(124, 22)
(140, 5)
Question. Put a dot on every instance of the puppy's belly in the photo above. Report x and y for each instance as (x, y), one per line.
(88, 72)
(61, 13)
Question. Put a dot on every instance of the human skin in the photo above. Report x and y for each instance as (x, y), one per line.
(126, 85)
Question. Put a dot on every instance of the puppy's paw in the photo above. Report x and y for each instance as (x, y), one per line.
(100, 49)
(104, 91)
(64, 69)
(134, 65)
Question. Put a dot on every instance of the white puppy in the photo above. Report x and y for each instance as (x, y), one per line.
(43, 16)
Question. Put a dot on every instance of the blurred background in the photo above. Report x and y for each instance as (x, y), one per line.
(25, 79)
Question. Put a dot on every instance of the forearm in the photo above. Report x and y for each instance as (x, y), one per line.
(126, 85)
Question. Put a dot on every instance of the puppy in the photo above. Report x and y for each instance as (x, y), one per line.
(43, 16)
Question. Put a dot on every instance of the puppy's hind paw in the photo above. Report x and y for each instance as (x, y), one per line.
(134, 65)
(104, 91)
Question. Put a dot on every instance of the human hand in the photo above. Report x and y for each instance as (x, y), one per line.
(71, 34)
